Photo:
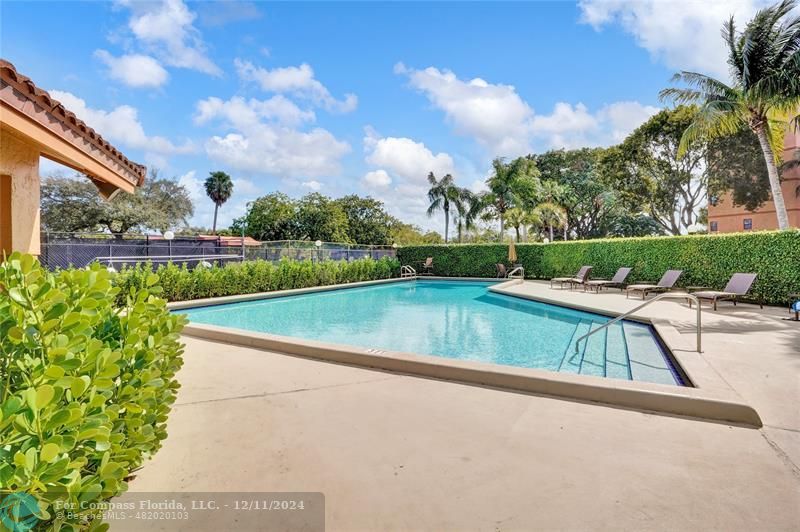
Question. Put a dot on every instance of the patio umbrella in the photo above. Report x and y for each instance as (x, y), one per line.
(512, 252)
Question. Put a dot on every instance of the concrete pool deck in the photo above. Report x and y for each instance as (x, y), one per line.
(398, 452)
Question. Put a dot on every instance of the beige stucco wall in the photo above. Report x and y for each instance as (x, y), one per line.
(20, 160)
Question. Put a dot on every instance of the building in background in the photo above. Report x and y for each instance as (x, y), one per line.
(34, 125)
(724, 217)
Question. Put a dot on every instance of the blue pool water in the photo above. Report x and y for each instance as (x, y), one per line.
(455, 319)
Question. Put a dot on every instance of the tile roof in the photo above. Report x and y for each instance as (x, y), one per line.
(18, 91)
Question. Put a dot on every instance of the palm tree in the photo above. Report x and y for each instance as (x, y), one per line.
(554, 193)
(551, 215)
(520, 218)
(764, 62)
(511, 184)
(442, 194)
(219, 188)
(467, 210)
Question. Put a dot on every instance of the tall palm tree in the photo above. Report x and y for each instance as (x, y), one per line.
(551, 215)
(764, 63)
(511, 184)
(219, 188)
(442, 194)
(554, 193)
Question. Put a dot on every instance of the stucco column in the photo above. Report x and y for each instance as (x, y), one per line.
(20, 160)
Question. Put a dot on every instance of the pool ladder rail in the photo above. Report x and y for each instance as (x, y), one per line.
(407, 271)
(624, 315)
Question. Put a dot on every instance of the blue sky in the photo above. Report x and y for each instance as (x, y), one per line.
(357, 97)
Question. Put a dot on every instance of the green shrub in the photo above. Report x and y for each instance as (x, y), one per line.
(180, 283)
(85, 387)
(707, 260)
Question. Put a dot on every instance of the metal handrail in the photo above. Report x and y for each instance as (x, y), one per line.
(657, 298)
(407, 271)
(510, 275)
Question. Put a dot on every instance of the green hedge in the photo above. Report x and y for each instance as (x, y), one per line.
(180, 283)
(85, 386)
(705, 259)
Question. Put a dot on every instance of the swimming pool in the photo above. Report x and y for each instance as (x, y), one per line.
(456, 320)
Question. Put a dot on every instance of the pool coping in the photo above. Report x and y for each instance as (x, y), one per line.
(709, 399)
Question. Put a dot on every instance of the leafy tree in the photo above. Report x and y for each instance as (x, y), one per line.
(404, 234)
(765, 66)
(219, 188)
(629, 225)
(73, 204)
(270, 217)
(512, 184)
(648, 174)
(367, 220)
(321, 218)
(441, 195)
(588, 202)
(736, 164)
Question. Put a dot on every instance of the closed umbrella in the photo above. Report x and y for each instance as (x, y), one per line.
(512, 252)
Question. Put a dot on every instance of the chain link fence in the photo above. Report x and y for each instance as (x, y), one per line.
(64, 250)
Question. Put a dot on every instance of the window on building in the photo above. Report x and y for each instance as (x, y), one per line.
(797, 192)
(714, 227)
(748, 223)
(713, 200)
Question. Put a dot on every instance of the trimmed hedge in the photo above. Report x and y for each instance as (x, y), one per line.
(85, 387)
(178, 283)
(707, 260)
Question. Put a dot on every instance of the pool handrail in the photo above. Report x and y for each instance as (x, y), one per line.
(666, 295)
(407, 271)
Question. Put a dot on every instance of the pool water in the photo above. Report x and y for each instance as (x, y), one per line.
(457, 320)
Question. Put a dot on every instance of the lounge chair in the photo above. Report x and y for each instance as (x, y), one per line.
(666, 283)
(427, 266)
(502, 272)
(618, 281)
(579, 278)
(738, 286)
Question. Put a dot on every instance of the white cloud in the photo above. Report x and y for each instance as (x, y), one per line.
(685, 35)
(296, 80)
(405, 157)
(241, 113)
(265, 139)
(573, 126)
(493, 114)
(401, 180)
(134, 70)
(121, 125)
(167, 29)
(312, 185)
(377, 179)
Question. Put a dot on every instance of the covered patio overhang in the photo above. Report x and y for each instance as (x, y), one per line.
(33, 125)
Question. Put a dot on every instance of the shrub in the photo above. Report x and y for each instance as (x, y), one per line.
(85, 387)
(707, 260)
(180, 283)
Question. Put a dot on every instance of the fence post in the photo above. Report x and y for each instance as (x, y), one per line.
(146, 245)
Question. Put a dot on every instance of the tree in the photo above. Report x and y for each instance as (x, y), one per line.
(270, 217)
(467, 210)
(552, 216)
(649, 175)
(404, 234)
(219, 188)
(441, 195)
(518, 218)
(367, 220)
(736, 164)
(73, 204)
(320, 218)
(588, 202)
(765, 67)
(512, 184)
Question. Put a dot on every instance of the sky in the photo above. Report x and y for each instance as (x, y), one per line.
(361, 97)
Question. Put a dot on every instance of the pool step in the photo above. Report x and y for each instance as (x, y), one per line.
(624, 350)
